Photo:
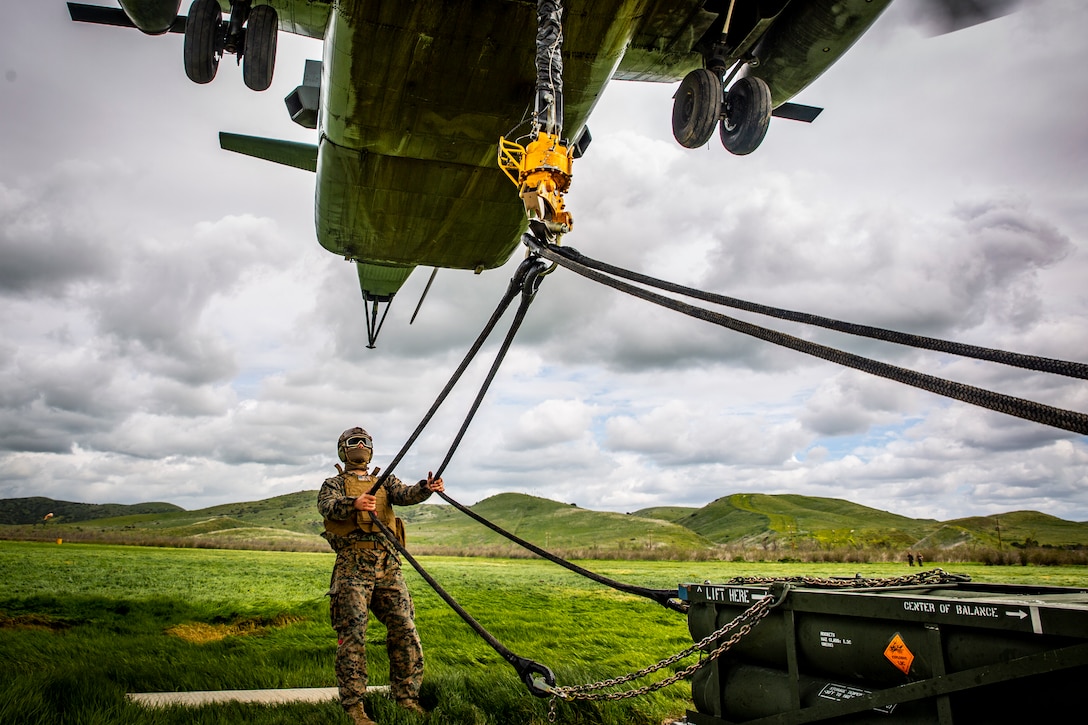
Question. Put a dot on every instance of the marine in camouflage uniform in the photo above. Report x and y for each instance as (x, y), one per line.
(367, 575)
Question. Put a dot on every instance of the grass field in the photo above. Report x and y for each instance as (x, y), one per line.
(82, 624)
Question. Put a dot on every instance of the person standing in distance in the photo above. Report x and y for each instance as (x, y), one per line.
(367, 576)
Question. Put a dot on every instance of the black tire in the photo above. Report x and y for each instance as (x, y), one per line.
(259, 55)
(696, 108)
(202, 28)
(747, 115)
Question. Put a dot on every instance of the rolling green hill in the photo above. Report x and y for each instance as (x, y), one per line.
(1022, 527)
(294, 512)
(292, 521)
(739, 520)
(548, 523)
(756, 518)
(665, 513)
(35, 508)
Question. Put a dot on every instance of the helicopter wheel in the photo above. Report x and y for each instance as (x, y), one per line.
(747, 115)
(259, 57)
(202, 29)
(696, 107)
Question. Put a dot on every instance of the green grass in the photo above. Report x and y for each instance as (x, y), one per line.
(82, 624)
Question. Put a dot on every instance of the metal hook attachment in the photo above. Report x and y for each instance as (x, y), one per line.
(537, 677)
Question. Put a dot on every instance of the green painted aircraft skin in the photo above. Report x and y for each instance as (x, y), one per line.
(416, 93)
(415, 97)
(811, 36)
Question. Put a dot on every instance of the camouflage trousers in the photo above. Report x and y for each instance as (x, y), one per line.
(365, 580)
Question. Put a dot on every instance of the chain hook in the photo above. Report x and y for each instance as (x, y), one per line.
(537, 677)
(779, 590)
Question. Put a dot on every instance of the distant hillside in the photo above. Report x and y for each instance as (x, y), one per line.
(665, 513)
(34, 510)
(755, 517)
(293, 511)
(292, 521)
(548, 523)
(744, 520)
(1019, 527)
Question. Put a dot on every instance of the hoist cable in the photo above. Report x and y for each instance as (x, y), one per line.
(516, 284)
(1028, 410)
(1030, 362)
(549, 66)
(664, 597)
(538, 678)
(533, 278)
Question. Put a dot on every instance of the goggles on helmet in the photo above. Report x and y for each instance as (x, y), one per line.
(356, 440)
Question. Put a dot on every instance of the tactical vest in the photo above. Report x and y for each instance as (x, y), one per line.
(355, 485)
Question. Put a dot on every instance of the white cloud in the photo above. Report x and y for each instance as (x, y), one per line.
(550, 422)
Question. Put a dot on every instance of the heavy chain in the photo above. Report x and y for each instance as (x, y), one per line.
(743, 624)
(933, 576)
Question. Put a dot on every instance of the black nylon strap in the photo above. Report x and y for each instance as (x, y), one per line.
(516, 284)
(525, 668)
(664, 597)
(1030, 362)
(1028, 410)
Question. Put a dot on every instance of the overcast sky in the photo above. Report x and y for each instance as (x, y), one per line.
(172, 331)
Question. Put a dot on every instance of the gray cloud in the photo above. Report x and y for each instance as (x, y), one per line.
(852, 403)
(172, 331)
(42, 245)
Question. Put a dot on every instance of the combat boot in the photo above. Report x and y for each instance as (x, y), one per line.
(358, 715)
(412, 705)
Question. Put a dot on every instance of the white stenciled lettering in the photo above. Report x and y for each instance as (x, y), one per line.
(832, 639)
(920, 606)
(976, 610)
(739, 596)
(716, 594)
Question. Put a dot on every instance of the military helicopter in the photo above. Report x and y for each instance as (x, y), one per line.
(411, 99)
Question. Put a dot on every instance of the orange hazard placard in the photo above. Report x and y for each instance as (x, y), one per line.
(898, 654)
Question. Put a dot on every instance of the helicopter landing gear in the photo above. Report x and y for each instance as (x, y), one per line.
(208, 37)
(743, 113)
(696, 108)
(259, 59)
(746, 115)
(203, 27)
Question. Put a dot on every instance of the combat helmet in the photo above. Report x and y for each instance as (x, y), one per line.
(350, 433)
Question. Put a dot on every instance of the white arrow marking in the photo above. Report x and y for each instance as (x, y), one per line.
(1018, 613)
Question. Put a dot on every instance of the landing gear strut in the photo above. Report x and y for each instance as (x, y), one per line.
(208, 37)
